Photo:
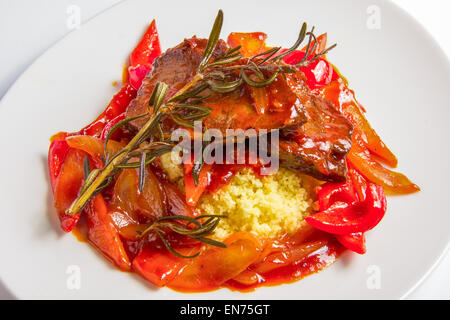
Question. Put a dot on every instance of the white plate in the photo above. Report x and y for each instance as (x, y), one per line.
(399, 74)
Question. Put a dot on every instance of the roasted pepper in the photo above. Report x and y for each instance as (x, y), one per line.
(343, 218)
(142, 57)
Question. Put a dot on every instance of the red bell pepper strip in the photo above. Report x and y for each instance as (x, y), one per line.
(67, 187)
(194, 192)
(120, 102)
(66, 159)
(107, 128)
(136, 75)
(344, 100)
(321, 43)
(331, 192)
(56, 155)
(318, 73)
(66, 179)
(366, 143)
(142, 57)
(358, 181)
(94, 147)
(351, 191)
(59, 136)
(353, 241)
(147, 49)
(159, 266)
(343, 218)
(321, 74)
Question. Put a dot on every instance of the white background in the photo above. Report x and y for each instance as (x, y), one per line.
(29, 27)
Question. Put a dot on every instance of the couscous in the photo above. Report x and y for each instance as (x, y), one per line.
(265, 205)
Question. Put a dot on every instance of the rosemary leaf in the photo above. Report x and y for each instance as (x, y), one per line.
(297, 43)
(142, 172)
(158, 95)
(225, 60)
(233, 50)
(86, 167)
(197, 115)
(179, 217)
(258, 84)
(178, 120)
(224, 87)
(210, 216)
(199, 232)
(152, 126)
(212, 242)
(151, 156)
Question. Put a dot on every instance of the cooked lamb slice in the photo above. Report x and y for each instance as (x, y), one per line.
(236, 110)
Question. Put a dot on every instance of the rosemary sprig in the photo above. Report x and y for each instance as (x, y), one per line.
(224, 74)
(199, 232)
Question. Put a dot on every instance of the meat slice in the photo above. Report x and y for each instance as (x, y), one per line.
(315, 137)
(319, 147)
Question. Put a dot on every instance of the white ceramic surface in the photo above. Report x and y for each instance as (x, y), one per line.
(397, 71)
